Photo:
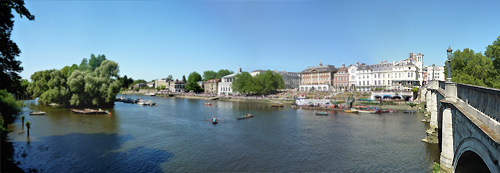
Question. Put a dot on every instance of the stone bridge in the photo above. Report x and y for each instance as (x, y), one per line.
(464, 121)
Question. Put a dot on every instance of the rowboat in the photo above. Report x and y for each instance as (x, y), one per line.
(37, 113)
(89, 111)
(367, 111)
(351, 111)
(321, 113)
(214, 121)
(208, 104)
(245, 117)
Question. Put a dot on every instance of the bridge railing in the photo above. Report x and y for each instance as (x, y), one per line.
(486, 100)
(442, 84)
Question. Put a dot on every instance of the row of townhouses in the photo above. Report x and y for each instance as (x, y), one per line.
(401, 75)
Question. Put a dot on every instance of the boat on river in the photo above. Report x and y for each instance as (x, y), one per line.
(208, 104)
(245, 117)
(37, 113)
(321, 113)
(409, 112)
(146, 103)
(89, 111)
(351, 111)
(214, 121)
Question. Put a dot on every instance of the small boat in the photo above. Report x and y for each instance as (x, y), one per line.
(351, 111)
(367, 111)
(321, 113)
(214, 121)
(208, 104)
(146, 103)
(276, 105)
(150, 94)
(37, 113)
(409, 112)
(392, 110)
(89, 111)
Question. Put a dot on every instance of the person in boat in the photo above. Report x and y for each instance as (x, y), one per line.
(214, 119)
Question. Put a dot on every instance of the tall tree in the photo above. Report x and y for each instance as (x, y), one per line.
(170, 77)
(192, 84)
(207, 75)
(243, 83)
(473, 68)
(223, 72)
(184, 78)
(9, 66)
(493, 52)
(194, 77)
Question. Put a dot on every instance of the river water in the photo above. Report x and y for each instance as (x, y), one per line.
(177, 135)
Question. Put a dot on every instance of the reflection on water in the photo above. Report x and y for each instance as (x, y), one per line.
(177, 135)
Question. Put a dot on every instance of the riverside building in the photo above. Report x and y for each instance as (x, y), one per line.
(317, 78)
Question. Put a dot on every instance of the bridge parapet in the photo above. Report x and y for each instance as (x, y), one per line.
(486, 100)
(442, 85)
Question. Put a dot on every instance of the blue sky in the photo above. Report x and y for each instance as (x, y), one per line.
(154, 39)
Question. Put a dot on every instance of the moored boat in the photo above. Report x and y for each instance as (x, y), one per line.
(367, 111)
(89, 111)
(409, 112)
(321, 113)
(208, 104)
(37, 113)
(351, 111)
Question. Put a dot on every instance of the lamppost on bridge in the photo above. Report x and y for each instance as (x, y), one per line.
(449, 52)
(433, 66)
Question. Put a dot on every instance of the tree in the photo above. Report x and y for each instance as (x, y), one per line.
(223, 72)
(243, 83)
(207, 75)
(162, 87)
(170, 77)
(95, 62)
(184, 78)
(84, 65)
(264, 83)
(194, 77)
(493, 52)
(83, 88)
(473, 68)
(9, 66)
(192, 84)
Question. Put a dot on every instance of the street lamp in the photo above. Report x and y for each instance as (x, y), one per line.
(449, 52)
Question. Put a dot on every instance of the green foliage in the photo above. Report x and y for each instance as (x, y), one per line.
(184, 78)
(83, 88)
(223, 72)
(8, 104)
(9, 66)
(264, 83)
(493, 53)
(473, 68)
(207, 75)
(193, 86)
(194, 77)
(412, 104)
(435, 167)
(126, 82)
(95, 62)
(414, 90)
(162, 87)
(170, 77)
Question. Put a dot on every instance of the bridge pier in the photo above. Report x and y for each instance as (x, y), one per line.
(446, 159)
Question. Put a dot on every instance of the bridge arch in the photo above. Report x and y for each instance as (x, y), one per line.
(473, 155)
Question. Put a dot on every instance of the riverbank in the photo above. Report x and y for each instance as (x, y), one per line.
(7, 152)
(241, 99)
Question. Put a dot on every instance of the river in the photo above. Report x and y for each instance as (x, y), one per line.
(177, 135)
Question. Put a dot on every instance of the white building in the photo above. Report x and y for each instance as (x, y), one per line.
(257, 72)
(396, 75)
(434, 73)
(226, 83)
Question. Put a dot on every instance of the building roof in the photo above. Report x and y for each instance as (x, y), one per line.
(320, 68)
